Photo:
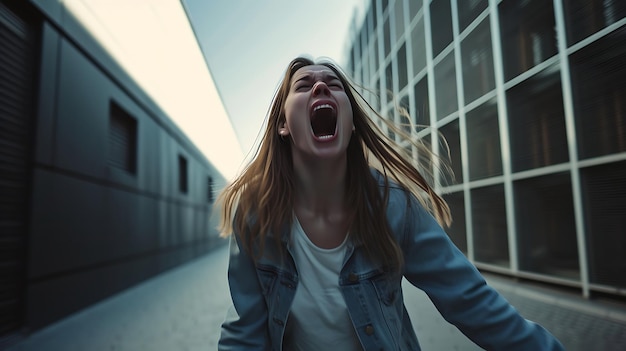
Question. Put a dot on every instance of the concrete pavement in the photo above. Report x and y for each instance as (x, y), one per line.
(182, 309)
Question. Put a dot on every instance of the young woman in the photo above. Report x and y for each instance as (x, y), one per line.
(326, 221)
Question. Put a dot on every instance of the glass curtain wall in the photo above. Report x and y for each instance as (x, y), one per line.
(529, 98)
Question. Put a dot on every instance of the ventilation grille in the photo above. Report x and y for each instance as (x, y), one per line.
(122, 140)
(16, 115)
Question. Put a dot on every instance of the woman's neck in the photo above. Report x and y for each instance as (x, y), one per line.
(320, 186)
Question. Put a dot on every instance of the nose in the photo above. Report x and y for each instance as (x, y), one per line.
(320, 88)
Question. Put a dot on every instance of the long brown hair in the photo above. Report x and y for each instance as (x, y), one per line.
(260, 200)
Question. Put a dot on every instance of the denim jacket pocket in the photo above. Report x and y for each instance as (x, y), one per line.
(387, 290)
(267, 278)
(390, 305)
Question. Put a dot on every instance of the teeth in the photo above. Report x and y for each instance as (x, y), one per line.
(322, 106)
(325, 137)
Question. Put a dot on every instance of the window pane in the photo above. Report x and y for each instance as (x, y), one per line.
(478, 76)
(491, 243)
(374, 15)
(586, 17)
(391, 116)
(599, 91)
(457, 230)
(366, 71)
(375, 53)
(469, 10)
(426, 165)
(528, 34)
(418, 47)
(483, 139)
(399, 18)
(389, 80)
(414, 7)
(545, 226)
(386, 37)
(604, 194)
(441, 24)
(422, 107)
(451, 133)
(384, 4)
(445, 87)
(364, 38)
(402, 75)
(403, 114)
(378, 95)
(537, 123)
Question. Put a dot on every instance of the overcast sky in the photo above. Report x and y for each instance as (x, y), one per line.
(248, 44)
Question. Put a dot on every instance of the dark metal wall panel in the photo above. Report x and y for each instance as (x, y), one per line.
(16, 124)
(97, 228)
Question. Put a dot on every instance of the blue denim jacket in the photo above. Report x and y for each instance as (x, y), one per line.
(262, 291)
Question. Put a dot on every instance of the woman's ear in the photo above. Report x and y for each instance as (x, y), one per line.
(283, 130)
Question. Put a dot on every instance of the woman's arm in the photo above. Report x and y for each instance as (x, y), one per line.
(460, 293)
(245, 327)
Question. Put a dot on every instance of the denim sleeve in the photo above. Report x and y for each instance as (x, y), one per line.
(460, 293)
(245, 327)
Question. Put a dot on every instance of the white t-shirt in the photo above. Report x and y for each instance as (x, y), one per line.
(318, 319)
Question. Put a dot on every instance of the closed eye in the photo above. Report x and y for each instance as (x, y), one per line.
(303, 87)
(336, 85)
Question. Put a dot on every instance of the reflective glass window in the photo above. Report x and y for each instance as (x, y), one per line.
(378, 95)
(483, 142)
(375, 53)
(402, 74)
(399, 18)
(546, 229)
(364, 33)
(457, 231)
(604, 201)
(386, 38)
(586, 17)
(441, 23)
(389, 80)
(422, 106)
(469, 10)
(445, 86)
(385, 5)
(403, 114)
(489, 225)
(418, 47)
(452, 137)
(477, 60)
(537, 122)
(599, 95)
(528, 34)
(414, 7)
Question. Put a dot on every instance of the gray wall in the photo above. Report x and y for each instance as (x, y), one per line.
(96, 229)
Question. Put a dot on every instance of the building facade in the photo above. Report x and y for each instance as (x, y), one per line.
(530, 98)
(100, 188)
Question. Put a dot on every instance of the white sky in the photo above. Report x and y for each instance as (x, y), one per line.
(154, 42)
(248, 44)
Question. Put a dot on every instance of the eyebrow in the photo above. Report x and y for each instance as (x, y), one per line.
(309, 76)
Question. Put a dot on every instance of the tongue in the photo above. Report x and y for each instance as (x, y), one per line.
(323, 122)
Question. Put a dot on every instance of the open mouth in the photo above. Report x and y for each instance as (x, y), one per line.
(324, 121)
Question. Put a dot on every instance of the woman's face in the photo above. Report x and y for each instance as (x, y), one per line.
(318, 114)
